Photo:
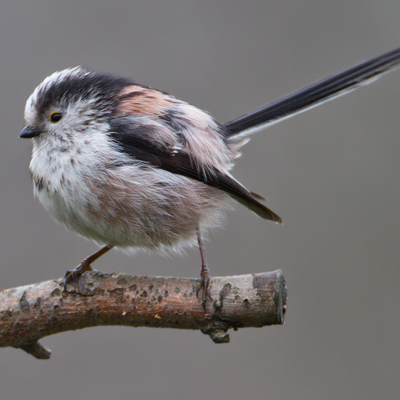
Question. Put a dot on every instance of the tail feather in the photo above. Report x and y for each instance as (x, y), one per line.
(315, 94)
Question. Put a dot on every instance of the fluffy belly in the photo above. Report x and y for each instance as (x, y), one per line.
(157, 210)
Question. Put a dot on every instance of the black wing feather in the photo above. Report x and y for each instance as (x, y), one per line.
(133, 139)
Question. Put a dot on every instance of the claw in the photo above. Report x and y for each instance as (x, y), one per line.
(205, 285)
(76, 273)
(84, 266)
(204, 275)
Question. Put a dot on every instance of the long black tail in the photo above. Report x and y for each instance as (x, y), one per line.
(317, 93)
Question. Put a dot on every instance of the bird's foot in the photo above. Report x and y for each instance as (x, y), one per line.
(76, 273)
(204, 286)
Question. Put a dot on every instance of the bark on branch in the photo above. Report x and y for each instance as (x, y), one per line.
(28, 313)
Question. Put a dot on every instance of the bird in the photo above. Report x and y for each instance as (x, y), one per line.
(133, 167)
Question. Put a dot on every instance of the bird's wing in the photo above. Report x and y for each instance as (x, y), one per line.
(137, 137)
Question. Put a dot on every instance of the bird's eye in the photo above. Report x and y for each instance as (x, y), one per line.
(55, 117)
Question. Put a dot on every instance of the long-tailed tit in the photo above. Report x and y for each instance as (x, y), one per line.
(129, 166)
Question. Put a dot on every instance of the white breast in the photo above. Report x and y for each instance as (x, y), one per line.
(59, 166)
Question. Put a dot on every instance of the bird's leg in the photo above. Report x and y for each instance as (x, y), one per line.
(204, 274)
(84, 266)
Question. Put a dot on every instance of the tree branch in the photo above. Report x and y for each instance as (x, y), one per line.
(28, 313)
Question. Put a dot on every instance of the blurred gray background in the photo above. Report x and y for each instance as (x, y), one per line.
(332, 173)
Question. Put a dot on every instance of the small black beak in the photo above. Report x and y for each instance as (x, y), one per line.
(29, 132)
